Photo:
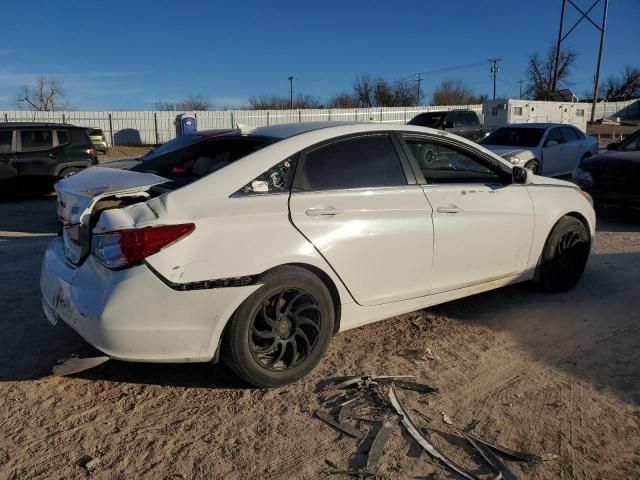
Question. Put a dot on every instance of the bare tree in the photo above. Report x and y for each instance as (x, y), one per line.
(196, 102)
(46, 95)
(405, 93)
(540, 71)
(166, 105)
(342, 100)
(376, 91)
(192, 102)
(363, 88)
(624, 87)
(454, 92)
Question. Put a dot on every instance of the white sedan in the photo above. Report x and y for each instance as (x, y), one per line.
(552, 149)
(256, 247)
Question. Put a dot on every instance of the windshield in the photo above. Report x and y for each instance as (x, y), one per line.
(515, 137)
(95, 132)
(632, 142)
(172, 146)
(431, 120)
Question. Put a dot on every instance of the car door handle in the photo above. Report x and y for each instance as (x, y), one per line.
(449, 209)
(319, 211)
(52, 155)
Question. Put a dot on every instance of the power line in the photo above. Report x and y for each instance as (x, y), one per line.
(445, 69)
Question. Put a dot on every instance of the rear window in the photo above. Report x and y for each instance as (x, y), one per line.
(173, 145)
(515, 137)
(35, 140)
(431, 120)
(95, 132)
(196, 160)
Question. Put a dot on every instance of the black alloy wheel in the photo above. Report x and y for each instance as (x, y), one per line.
(285, 329)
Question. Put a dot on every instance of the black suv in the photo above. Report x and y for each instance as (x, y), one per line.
(464, 123)
(44, 150)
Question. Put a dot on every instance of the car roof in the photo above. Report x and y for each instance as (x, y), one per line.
(37, 125)
(446, 111)
(536, 125)
(286, 130)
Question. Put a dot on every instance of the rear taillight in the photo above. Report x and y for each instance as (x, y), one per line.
(124, 248)
(92, 152)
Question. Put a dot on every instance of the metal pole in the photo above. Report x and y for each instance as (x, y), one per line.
(597, 79)
(155, 124)
(494, 71)
(520, 94)
(111, 131)
(554, 81)
(6, 118)
(419, 78)
(291, 92)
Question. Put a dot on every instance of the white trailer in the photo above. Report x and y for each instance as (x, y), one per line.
(506, 110)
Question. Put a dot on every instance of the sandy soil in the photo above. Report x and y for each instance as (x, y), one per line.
(556, 374)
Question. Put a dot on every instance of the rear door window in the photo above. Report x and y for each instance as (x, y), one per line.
(5, 141)
(569, 134)
(63, 137)
(555, 135)
(31, 140)
(359, 162)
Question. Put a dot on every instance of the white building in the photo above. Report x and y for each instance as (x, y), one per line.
(504, 111)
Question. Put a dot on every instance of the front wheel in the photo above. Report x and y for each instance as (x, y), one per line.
(564, 256)
(533, 166)
(281, 331)
(67, 172)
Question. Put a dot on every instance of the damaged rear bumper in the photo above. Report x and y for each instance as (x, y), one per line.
(131, 314)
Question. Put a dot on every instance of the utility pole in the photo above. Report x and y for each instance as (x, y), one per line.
(597, 79)
(520, 82)
(494, 71)
(291, 92)
(554, 81)
(419, 78)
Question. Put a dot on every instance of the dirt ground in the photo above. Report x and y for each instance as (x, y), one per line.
(556, 374)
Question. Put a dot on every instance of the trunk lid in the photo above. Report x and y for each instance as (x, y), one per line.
(79, 194)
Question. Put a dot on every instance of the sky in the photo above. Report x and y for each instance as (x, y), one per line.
(126, 55)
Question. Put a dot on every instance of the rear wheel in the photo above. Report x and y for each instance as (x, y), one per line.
(564, 256)
(281, 331)
(533, 166)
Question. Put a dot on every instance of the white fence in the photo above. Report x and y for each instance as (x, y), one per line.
(135, 128)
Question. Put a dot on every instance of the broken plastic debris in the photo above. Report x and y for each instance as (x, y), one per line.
(75, 365)
(422, 440)
(514, 454)
(446, 419)
(377, 447)
(343, 427)
(495, 463)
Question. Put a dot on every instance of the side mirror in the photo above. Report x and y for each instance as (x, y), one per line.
(613, 146)
(551, 143)
(519, 175)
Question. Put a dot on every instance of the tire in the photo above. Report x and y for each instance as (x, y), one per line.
(282, 330)
(564, 256)
(533, 166)
(67, 172)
